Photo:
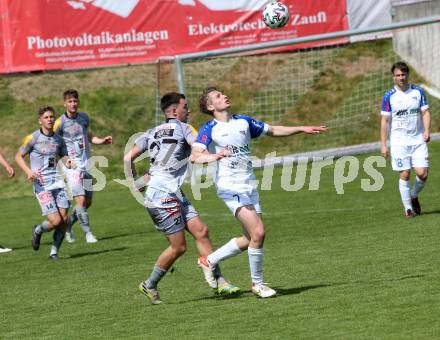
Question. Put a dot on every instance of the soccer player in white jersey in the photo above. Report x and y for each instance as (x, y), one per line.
(169, 147)
(230, 136)
(73, 126)
(45, 148)
(405, 115)
(10, 170)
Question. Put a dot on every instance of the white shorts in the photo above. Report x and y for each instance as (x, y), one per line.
(411, 156)
(235, 199)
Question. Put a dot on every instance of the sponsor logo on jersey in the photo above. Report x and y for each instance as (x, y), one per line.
(166, 132)
(403, 113)
(239, 150)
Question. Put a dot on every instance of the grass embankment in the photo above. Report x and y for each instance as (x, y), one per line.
(345, 94)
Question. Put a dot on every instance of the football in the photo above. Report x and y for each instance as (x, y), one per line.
(276, 14)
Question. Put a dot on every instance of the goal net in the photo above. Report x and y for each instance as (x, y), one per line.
(338, 86)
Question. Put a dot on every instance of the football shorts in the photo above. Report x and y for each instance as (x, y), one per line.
(235, 199)
(169, 211)
(410, 156)
(51, 200)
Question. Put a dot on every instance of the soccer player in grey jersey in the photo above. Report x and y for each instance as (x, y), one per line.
(45, 148)
(169, 146)
(10, 170)
(73, 126)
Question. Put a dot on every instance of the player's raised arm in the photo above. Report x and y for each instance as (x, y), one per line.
(281, 131)
(9, 169)
(129, 158)
(130, 168)
(384, 127)
(201, 156)
(98, 140)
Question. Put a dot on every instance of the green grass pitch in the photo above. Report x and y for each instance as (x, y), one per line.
(346, 267)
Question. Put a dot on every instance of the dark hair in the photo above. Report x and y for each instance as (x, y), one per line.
(70, 93)
(43, 109)
(203, 101)
(170, 98)
(400, 65)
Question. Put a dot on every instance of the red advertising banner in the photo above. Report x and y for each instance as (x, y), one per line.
(69, 34)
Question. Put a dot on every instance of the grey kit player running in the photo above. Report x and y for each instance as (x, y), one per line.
(45, 148)
(73, 126)
(169, 146)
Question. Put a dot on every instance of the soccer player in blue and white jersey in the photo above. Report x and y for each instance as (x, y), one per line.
(73, 126)
(10, 170)
(169, 147)
(405, 115)
(230, 137)
(45, 148)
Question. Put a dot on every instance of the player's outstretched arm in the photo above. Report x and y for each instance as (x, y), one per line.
(427, 125)
(98, 140)
(9, 169)
(384, 125)
(281, 131)
(130, 169)
(202, 156)
(19, 159)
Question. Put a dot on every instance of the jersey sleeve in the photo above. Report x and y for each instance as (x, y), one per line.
(142, 142)
(423, 100)
(86, 119)
(256, 127)
(204, 137)
(386, 105)
(58, 126)
(27, 145)
(190, 134)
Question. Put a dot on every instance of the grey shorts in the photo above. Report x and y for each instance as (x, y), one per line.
(169, 211)
(79, 181)
(51, 200)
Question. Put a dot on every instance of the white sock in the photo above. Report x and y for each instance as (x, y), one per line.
(418, 186)
(405, 194)
(53, 251)
(224, 252)
(256, 264)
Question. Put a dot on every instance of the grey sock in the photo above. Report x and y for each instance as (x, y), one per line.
(156, 275)
(58, 237)
(43, 227)
(71, 220)
(83, 218)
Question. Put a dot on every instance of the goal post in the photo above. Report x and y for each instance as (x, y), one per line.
(340, 86)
